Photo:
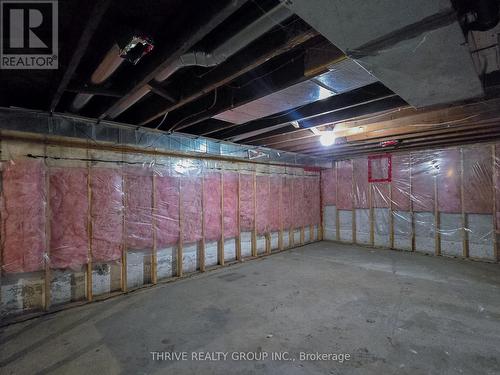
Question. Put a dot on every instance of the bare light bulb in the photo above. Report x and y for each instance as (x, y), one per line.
(327, 138)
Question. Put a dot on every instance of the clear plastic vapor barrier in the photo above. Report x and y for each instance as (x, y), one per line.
(441, 202)
(80, 224)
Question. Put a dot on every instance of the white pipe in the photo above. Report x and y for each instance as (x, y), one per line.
(234, 44)
(106, 68)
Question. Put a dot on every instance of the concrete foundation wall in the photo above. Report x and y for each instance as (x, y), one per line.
(246, 244)
(296, 237)
(167, 262)
(261, 244)
(425, 233)
(362, 225)
(230, 250)
(381, 227)
(345, 225)
(402, 222)
(480, 236)
(330, 223)
(275, 240)
(211, 252)
(190, 258)
(451, 234)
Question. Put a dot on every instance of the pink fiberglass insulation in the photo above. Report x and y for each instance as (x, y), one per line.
(361, 184)
(274, 204)
(212, 206)
(191, 209)
(263, 197)
(314, 191)
(166, 212)
(497, 185)
(423, 171)
(69, 204)
(23, 216)
(381, 194)
(344, 186)
(328, 188)
(139, 208)
(107, 214)
(448, 181)
(298, 202)
(308, 209)
(230, 205)
(478, 190)
(287, 202)
(246, 202)
(401, 182)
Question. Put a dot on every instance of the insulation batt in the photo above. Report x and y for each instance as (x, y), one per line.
(246, 202)
(230, 205)
(287, 202)
(263, 197)
(167, 211)
(344, 188)
(401, 182)
(212, 206)
(328, 187)
(274, 204)
(138, 212)
(191, 209)
(298, 202)
(69, 205)
(361, 185)
(424, 168)
(107, 214)
(23, 216)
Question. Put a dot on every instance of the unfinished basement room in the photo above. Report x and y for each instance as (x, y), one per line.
(250, 187)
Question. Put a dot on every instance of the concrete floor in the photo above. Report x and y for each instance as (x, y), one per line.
(393, 312)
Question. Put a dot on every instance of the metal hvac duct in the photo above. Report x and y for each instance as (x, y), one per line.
(106, 68)
(207, 59)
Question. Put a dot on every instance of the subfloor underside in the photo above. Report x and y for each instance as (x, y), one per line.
(392, 312)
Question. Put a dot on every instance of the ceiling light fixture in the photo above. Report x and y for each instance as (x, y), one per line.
(327, 138)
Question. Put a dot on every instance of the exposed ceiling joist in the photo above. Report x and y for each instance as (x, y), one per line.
(87, 34)
(169, 56)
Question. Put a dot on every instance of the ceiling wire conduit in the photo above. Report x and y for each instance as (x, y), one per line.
(220, 54)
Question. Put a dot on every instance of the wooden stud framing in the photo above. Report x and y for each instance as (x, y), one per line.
(337, 215)
(321, 226)
(353, 192)
(154, 255)
(493, 184)
(201, 244)
(254, 231)
(391, 218)
(181, 233)
(48, 214)
(268, 233)
(412, 216)
(90, 296)
(222, 237)
(465, 237)
(280, 208)
(291, 233)
(123, 279)
(371, 214)
(238, 239)
(437, 225)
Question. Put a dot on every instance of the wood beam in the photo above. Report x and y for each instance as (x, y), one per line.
(171, 55)
(87, 34)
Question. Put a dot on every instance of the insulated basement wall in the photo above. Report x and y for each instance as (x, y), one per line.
(79, 224)
(440, 202)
